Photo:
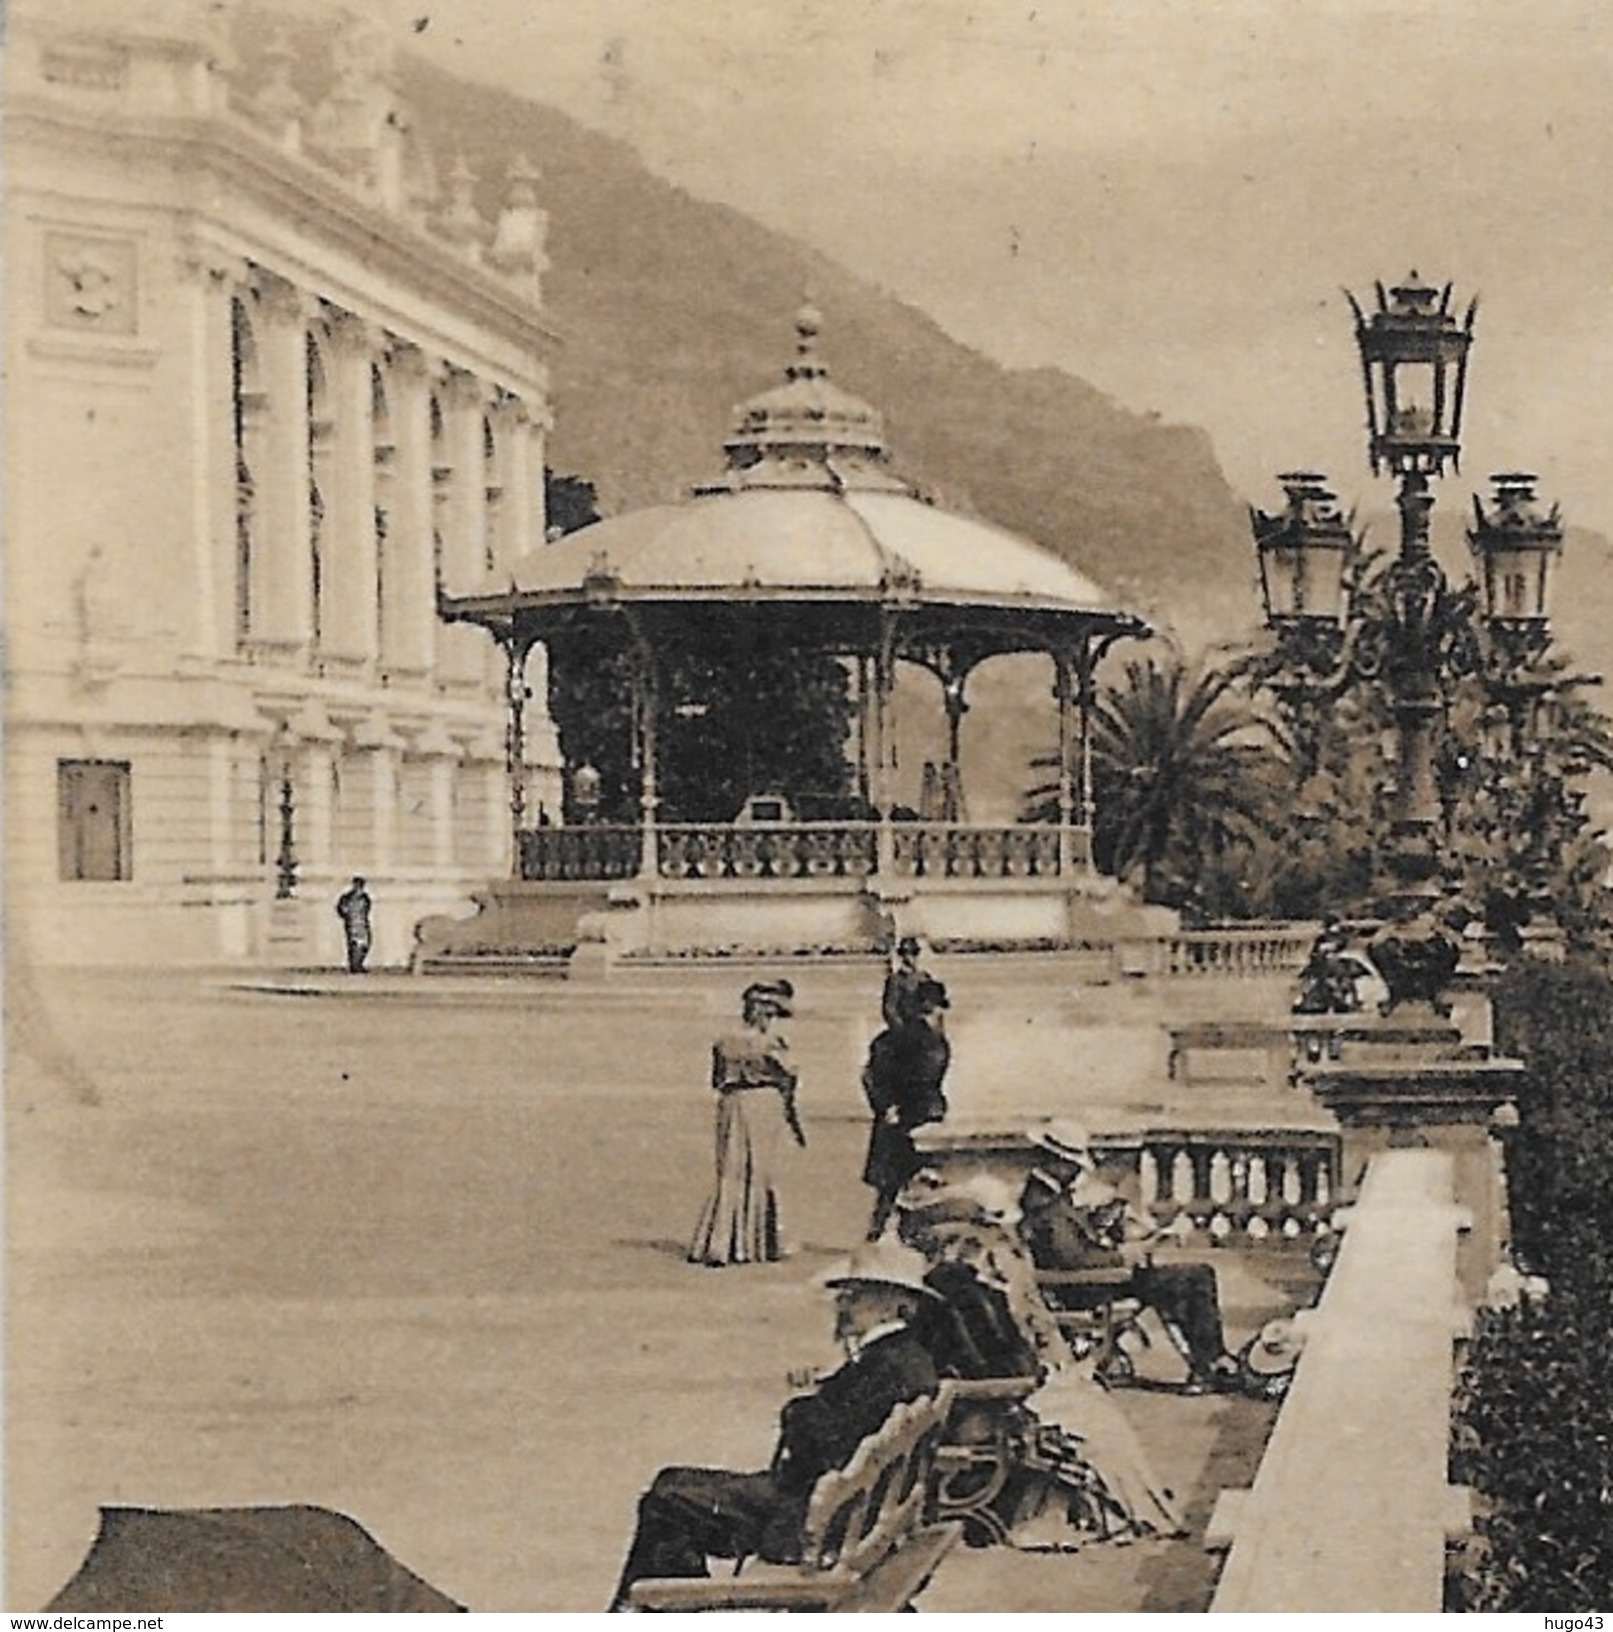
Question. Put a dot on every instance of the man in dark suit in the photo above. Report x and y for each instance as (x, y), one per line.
(902, 983)
(691, 1514)
(1072, 1220)
(902, 1080)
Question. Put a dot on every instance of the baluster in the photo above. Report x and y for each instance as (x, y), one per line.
(1324, 1182)
(1259, 1190)
(1184, 1179)
(1293, 1184)
(904, 847)
(865, 851)
(1148, 1177)
(1220, 1190)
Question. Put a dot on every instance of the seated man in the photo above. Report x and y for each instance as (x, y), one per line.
(1073, 1220)
(690, 1514)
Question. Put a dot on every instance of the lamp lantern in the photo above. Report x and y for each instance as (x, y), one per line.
(585, 786)
(1305, 552)
(1414, 355)
(1515, 547)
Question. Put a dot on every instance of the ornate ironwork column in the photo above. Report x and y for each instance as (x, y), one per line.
(517, 696)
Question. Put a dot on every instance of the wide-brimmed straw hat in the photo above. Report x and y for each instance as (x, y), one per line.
(885, 1262)
(1275, 1349)
(1066, 1139)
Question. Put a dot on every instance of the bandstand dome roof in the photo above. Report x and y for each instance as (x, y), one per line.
(807, 513)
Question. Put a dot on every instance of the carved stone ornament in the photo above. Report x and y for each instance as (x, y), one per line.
(90, 283)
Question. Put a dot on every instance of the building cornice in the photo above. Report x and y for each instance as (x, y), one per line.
(234, 157)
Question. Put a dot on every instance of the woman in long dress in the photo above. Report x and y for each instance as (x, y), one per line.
(755, 1083)
(1084, 1474)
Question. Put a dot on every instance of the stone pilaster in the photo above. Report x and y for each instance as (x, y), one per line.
(461, 649)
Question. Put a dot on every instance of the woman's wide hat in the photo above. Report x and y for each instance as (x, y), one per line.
(975, 1199)
(777, 995)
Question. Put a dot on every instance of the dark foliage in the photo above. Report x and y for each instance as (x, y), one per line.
(1534, 1411)
(1517, 839)
(569, 502)
(740, 712)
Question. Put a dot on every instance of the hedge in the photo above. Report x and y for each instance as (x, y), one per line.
(1534, 1408)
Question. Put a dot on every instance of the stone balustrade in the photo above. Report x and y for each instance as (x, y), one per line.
(1351, 1509)
(1236, 953)
(1230, 952)
(1250, 1181)
(1226, 1183)
(807, 850)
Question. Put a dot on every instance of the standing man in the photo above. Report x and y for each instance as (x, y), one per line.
(907, 1064)
(902, 983)
(691, 1514)
(353, 908)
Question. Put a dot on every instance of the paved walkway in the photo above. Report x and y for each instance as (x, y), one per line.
(421, 1261)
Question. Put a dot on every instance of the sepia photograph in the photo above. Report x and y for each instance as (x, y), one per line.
(806, 807)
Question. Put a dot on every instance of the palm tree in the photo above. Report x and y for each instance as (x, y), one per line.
(1184, 779)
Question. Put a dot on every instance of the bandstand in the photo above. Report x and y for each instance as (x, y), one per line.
(807, 539)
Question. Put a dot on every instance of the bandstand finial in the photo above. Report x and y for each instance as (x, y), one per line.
(808, 325)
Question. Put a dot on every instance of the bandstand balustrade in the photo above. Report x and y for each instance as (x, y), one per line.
(821, 850)
(598, 852)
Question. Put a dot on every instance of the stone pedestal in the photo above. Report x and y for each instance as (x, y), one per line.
(1409, 1082)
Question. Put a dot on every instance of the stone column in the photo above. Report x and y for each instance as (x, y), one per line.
(348, 627)
(408, 610)
(514, 535)
(461, 649)
(282, 560)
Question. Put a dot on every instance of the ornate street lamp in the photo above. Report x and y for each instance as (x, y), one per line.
(1414, 366)
(285, 859)
(1402, 627)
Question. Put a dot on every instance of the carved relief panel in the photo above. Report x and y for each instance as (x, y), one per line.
(91, 283)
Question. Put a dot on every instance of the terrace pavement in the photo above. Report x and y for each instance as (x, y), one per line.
(414, 1252)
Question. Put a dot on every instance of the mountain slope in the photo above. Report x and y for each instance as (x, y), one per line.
(674, 309)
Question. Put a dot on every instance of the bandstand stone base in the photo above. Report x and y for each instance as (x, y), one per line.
(600, 925)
